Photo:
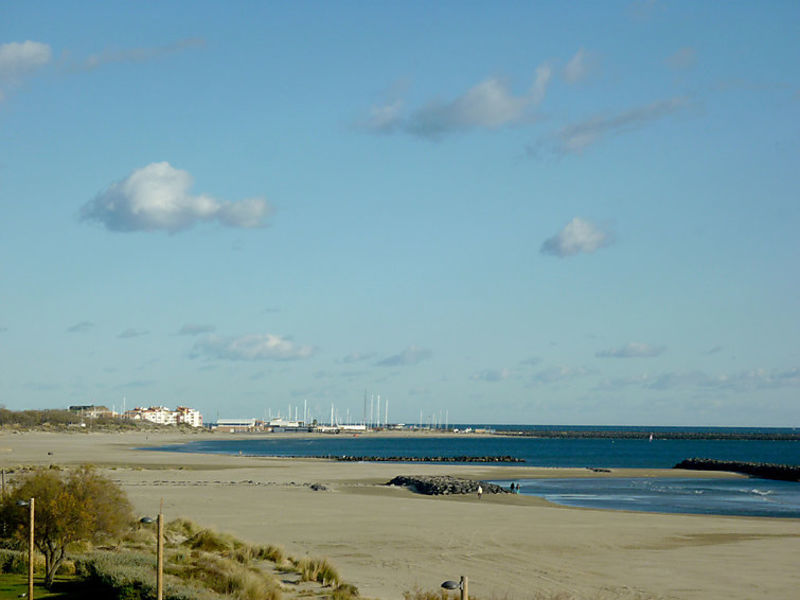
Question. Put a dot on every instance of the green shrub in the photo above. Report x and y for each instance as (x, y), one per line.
(131, 575)
(16, 561)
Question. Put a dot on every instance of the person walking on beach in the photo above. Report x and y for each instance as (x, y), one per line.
(480, 492)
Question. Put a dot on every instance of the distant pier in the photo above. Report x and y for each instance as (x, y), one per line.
(762, 470)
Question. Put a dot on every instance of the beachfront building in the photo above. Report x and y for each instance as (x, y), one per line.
(189, 416)
(164, 416)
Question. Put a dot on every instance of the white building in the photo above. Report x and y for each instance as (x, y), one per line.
(164, 416)
(189, 416)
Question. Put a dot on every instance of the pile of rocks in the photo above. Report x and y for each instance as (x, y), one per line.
(762, 470)
(449, 459)
(438, 485)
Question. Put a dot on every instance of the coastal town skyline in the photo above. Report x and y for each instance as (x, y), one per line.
(515, 213)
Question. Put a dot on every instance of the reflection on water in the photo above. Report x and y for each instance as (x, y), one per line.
(747, 497)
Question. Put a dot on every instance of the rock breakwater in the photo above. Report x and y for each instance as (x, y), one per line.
(762, 470)
(443, 459)
(442, 485)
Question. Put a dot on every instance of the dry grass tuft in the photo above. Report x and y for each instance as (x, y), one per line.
(319, 570)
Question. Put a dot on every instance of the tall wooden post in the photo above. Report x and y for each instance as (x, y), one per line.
(464, 583)
(160, 558)
(30, 552)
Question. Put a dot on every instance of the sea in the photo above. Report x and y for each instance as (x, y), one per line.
(744, 497)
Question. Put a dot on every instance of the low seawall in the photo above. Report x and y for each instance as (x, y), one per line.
(426, 459)
(762, 470)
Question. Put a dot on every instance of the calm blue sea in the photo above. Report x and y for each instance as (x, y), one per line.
(536, 452)
(751, 497)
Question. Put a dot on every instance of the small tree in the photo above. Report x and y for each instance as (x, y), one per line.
(78, 505)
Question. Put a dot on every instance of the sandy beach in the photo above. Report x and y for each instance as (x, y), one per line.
(387, 540)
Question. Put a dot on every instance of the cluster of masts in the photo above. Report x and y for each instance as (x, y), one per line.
(374, 415)
(375, 411)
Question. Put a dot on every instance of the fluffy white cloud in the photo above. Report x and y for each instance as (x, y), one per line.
(488, 105)
(632, 350)
(265, 346)
(577, 236)
(157, 197)
(577, 137)
(410, 356)
(20, 58)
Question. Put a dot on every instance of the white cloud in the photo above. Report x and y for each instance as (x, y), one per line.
(685, 58)
(156, 197)
(20, 58)
(265, 346)
(577, 137)
(743, 381)
(385, 118)
(577, 236)
(632, 350)
(488, 105)
(492, 375)
(578, 67)
(410, 356)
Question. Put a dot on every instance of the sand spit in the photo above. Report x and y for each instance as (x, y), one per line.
(387, 540)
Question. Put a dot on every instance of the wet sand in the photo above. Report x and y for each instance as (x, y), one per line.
(388, 540)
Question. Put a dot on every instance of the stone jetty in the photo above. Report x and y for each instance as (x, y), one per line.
(441, 485)
(437, 459)
(762, 470)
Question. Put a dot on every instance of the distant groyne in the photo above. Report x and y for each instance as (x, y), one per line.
(762, 470)
(658, 435)
(443, 485)
(437, 459)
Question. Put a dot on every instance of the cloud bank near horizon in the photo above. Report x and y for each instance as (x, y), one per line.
(251, 347)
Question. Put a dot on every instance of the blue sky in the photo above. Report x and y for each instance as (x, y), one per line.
(507, 212)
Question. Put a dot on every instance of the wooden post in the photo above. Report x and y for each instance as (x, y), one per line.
(464, 583)
(30, 553)
(160, 558)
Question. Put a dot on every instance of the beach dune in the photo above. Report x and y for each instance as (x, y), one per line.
(388, 540)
